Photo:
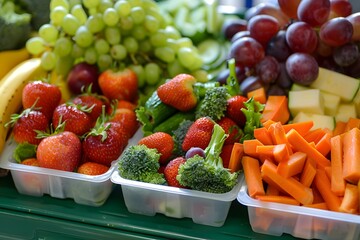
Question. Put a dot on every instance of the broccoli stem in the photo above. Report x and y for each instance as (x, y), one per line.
(232, 82)
(213, 150)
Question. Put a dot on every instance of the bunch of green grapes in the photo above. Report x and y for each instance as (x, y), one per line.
(128, 33)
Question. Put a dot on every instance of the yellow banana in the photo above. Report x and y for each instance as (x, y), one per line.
(9, 59)
(60, 81)
(11, 87)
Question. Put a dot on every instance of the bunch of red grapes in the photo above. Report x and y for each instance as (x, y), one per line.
(275, 46)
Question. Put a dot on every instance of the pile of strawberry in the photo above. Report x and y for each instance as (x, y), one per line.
(85, 134)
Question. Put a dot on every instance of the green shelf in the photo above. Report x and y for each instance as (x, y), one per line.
(27, 217)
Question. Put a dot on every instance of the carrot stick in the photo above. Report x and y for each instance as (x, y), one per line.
(258, 94)
(278, 135)
(289, 185)
(262, 134)
(323, 185)
(339, 128)
(352, 123)
(267, 123)
(276, 109)
(323, 145)
(237, 153)
(278, 199)
(351, 149)
(293, 166)
(317, 196)
(301, 127)
(321, 205)
(300, 144)
(314, 135)
(250, 147)
(272, 190)
(308, 173)
(278, 152)
(252, 174)
(350, 202)
(337, 180)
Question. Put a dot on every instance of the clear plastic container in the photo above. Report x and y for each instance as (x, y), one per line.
(37, 181)
(148, 199)
(303, 222)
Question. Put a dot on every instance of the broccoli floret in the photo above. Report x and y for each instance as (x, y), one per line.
(141, 163)
(15, 27)
(39, 10)
(179, 136)
(214, 103)
(208, 174)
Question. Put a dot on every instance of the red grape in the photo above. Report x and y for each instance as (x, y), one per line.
(276, 90)
(240, 35)
(250, 83)
(346, 54)
(267, 69)
(246, 51)
(302, 68)
(323, 49)
(336, 32)
(268, 9)
(301, 37)
(232, 26)
(82, 75)
(314, 12)
(194, 151)
(289, 7)
(355, 21)
(278, 47)
(283, 80)
(354, 69)
(263, 27)
(340, 8)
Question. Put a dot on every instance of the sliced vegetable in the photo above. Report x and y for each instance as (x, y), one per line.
(276, 109)
(253, 176)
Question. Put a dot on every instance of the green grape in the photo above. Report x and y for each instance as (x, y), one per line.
(90, 4)
(48, 32)
(135, 3)
(110, 17)
(72, 3)
(56, 3)
(48, 60)
(165, 54)
(154, 12)
(172, 43)
(145, 46)
(70, 24)
(95, 23)
(189, 58)
(137, 14)
(201, 75)
(151, 24)
(174, 68)
(172, 32)
(112, 35)
(77, 51)
(104, 4)
(90, 55)
(184, 42)
(63, 46)
(83, 37)
(80, 14)
(131, 44)
(126, 23)
(118, 52)
(104, 62)
(140, 73)
(57, 15)
(101, 46)
(138, 32)
(123, 8)
(35, 45)
(149, 4)
(152, 73)
(64, 65)
(158, 39)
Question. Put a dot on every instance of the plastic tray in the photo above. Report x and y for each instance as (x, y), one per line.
(303, 222)
(148, 199)
(37, 181)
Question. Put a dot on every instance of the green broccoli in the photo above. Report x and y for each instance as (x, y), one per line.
(15, 27)
(140, 163)
(213, 104)
(179, 136)
(39, 10)
(208, 174)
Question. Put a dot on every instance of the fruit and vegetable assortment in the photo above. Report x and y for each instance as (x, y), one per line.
(274, 95)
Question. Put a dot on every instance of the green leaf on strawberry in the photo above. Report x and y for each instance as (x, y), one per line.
(24, 151)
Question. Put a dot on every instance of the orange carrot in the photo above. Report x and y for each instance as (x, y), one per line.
(323, 185)
(252, 174)
(276, 109)
(293, 166)
(272, 190)
(267, 123)
(337, 180)
(278, 199)
(308, 173)
(351, 149)
(321, 205)
(314, 135)
(250, 147)
(300, 144)
(339, 128)
(289, 185)
(350, 202)
(258, 94)
(277, 152)
(262, 134)
(352, 123)
(323, 145)
(301, 127)
(278, 135)
(237, 153)
(317, 196)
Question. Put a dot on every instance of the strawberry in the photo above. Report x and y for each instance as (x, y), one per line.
(61, 151)
(127, 119)
(126, 104)
(171, 171)
(226, 154)
(233, 111)
(92, 168)
(179, 92)
(93, 101)
(120, 85)
(46, 96)
(199, 134)
(104, 143)
(26, 124)
(31, 162)
(232, 129)
(75, 118)
(163, 142)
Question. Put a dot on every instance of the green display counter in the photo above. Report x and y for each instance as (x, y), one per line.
(45, 218)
